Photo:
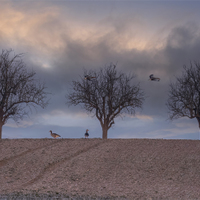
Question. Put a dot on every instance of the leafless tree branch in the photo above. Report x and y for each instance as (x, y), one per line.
(184, 94)
(18, 88)
(109, 95)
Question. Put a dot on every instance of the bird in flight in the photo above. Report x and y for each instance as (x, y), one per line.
(54, 135)
(152, 78)
(89, 78)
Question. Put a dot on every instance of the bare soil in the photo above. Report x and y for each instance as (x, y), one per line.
(96, 168)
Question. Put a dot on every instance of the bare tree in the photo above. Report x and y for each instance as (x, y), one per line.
(18, 88)
(108, 94)
(184, 94)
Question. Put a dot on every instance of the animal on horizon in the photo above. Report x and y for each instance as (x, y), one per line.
(87, 134)
(54, 135)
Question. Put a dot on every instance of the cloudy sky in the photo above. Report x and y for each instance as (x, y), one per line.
(61, 38)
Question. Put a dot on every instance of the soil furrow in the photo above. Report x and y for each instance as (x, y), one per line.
(53, 166)
(5, 161)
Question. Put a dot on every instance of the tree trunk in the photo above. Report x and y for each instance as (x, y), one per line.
(198, 119)
(1, 125)
(105, 133)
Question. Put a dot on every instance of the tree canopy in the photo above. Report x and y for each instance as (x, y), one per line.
(108, 94)
(184, 94)
(18, 88)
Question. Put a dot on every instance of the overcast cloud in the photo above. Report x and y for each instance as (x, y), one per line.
(61, 38)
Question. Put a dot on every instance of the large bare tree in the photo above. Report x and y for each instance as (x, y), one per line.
(184, 94)
(18, 88)
(107, 93)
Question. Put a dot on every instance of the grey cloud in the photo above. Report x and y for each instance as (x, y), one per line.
(183, 46)
(78, 55)
(67, 63)
(48, 41)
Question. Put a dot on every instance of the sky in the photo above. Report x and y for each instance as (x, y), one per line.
(60, 39)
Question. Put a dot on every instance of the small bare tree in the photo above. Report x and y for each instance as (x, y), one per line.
(108, 93)
(184, 94)
(18, 88)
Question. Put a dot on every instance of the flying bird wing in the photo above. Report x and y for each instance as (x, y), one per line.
(151, 76)
(87, 77)
(154, 78)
